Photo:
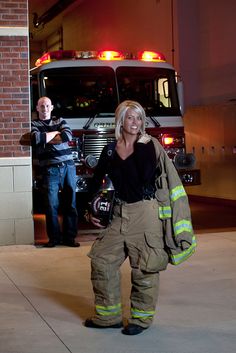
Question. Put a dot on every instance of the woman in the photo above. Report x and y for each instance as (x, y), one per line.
(135, 230)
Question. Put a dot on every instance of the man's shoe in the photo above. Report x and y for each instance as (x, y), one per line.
(71, 243)
(90, 323)
(133, 329)
(50, 244)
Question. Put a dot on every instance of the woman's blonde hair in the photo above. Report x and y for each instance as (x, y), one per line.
(120, 116)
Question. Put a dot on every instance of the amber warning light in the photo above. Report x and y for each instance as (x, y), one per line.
(168, 140)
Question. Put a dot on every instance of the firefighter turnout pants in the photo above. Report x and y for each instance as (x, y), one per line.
(135, 233)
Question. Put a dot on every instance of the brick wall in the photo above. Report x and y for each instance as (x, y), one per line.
(13, 12)
(14, 79)
(16, 221)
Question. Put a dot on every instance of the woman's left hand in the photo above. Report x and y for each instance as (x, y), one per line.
(144, 138)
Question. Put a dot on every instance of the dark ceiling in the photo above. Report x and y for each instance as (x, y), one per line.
(45, 17)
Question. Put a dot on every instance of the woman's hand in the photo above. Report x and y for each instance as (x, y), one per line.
(144, 138)
(95, 221)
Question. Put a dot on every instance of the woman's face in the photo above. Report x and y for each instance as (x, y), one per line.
(132, 122)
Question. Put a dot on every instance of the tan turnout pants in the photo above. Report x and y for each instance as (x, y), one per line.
(136, 233)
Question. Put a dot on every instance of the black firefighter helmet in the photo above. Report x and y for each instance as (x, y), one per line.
(102, 202)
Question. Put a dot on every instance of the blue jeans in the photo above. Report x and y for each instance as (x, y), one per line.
(59, 187)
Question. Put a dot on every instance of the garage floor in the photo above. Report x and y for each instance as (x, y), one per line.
(46, 295)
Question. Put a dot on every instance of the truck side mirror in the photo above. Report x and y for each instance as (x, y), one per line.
(180, 91)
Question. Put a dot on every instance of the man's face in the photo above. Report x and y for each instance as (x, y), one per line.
(44, 108)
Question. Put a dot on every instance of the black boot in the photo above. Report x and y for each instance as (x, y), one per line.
(133, 329)
(92, 324)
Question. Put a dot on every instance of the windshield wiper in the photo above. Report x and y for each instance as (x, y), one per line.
(89, 122)
(154, 120)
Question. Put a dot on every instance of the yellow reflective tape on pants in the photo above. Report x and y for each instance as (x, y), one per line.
(142, 314)
(108, 310)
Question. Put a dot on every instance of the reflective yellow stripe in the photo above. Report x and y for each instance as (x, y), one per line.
(177, 192)
(183, 226)
(165, 212)
(108, 310)
(142, 314)
(184, 255)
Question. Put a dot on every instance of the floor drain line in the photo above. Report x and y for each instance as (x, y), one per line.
(35, 309)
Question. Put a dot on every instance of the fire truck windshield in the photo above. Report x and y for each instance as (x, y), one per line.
(86, 91)
(154, 88)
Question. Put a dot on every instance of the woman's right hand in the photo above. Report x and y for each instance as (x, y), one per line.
(95, 221)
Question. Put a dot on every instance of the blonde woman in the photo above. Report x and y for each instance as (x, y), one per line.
(135, 231)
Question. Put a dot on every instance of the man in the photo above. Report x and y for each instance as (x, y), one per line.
(50, 137)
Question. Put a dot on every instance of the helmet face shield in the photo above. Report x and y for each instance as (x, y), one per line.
(103, 202)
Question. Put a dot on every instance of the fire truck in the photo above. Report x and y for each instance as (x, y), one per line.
(86, 87)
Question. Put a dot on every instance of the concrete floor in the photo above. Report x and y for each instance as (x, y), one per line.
(46, 295)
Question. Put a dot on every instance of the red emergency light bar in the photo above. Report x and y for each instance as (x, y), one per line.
(55, 55)
(100, 55)
(151, 56)
(65, 55)
(169, 140)
(110, 55)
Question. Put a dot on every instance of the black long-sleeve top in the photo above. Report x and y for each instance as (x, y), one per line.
(132, 178)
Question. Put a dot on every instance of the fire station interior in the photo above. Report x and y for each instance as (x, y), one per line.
(46, 293)
(46, 33)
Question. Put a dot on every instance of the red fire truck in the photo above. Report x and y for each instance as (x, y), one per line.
(86, 87)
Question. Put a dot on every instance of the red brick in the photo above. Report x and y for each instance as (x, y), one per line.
(5, 132)
(12, 125)
(14, 84)
(11, 89)
(5, 154)
(5, 95)
(11, 114)
(4, 84)
(22, 154)
(4, 107)
(25, 127)
(5, 142)
(18, 118)
(10, 4)
(22, 107)
(10, 55)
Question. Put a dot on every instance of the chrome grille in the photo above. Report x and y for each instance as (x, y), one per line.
(93, 144)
